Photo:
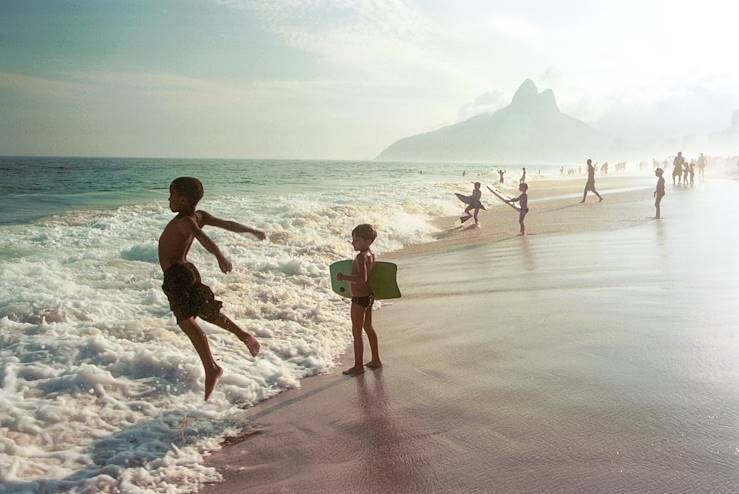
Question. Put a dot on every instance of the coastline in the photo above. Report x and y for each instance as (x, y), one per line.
(471, 398)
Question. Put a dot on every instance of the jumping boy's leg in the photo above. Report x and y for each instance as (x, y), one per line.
(212, 371)
(477, 210)
(224, 322)
(375, 363)
(357, 323)
(599, 197)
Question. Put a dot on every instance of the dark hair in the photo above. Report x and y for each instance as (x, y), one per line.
(365, 231)
(477, 184)
(525, 186)
(189, 187)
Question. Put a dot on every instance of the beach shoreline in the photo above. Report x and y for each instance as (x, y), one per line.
(442, 416)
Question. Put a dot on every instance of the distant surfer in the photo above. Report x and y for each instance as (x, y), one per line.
(523, 177)
(590, 184)
(677, 168)
(501, 173)
(523, 202)
(362, 298)
(188, 297)
(473, 204)
(659, 193)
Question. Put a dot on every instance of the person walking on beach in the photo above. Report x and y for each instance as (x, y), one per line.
(501, 173)
(677, 167)
(590, 184)
(686, 172)
(188, 297)
(523, 177)
(362, 298)
(691, 172)
(701, 165)
(523, 201)
(659, 193)
(474, 204)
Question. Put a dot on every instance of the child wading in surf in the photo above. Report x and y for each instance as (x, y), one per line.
(660, 192)
(523, 202)
(188, 297)
(473, 204)
(362, 298)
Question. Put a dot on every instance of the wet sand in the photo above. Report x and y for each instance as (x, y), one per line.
(596, 355)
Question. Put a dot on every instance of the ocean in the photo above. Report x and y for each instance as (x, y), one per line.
(101, 391)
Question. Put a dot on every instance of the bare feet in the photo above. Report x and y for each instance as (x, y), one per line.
(582, 201)
(354, 371)
(252, 344)
(374, 364)
(600, 199)
(211, 379)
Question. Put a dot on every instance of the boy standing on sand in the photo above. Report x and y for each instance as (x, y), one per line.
(501, 173)
(362, 298)
(188, 296)
(590, 184)
(473, 204)
(523, 201)
(660, 192)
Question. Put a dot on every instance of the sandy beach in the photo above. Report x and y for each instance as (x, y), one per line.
(597, 354)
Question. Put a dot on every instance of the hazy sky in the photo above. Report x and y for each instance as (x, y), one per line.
(343, 79)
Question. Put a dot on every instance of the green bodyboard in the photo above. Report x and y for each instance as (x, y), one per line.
(383, 281)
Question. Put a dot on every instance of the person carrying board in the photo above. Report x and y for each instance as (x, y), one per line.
(523, 202)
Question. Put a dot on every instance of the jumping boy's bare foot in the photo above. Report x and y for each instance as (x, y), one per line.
(354, 371)
(374, 364)
(211, 379)
(252, 344)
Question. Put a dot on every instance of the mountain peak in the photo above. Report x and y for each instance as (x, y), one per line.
(525, 94)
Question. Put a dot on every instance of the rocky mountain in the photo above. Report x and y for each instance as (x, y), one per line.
(530, 128)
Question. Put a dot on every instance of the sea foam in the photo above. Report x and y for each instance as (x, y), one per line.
(102, 392)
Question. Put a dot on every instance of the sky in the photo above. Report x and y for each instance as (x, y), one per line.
(343, 79)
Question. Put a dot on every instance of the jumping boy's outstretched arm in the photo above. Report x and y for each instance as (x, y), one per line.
(232, 226)
(210, 246)
(514, 199)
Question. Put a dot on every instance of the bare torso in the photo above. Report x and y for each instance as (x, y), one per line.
(176, 240)
(362, 288)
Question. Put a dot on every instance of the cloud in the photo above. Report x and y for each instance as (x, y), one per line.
(485, 103)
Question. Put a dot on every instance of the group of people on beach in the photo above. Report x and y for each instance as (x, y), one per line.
(682, 170)
(189, 298)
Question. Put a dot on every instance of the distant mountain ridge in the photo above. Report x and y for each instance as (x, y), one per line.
(530, 128)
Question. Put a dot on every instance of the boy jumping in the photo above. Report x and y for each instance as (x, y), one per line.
(188, 296)
(362, 298)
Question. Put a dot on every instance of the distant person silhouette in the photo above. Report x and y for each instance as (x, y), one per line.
(659, 193)
(523, 177)
(677, 167)
(691, 172)
(701, 165)
(474, 204)
(590, 184)
(523, 201)
(501, 173)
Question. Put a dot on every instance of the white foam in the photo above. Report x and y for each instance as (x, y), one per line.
(101, 391)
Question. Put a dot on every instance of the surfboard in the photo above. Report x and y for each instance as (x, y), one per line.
(383, 281)
(504, 199)
(467, 199)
